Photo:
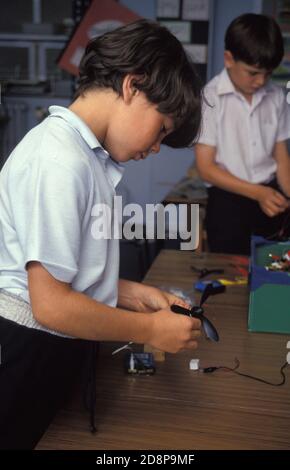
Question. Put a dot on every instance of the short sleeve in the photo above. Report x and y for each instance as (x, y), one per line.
(49, 204)
(208, 134)
(283, 131)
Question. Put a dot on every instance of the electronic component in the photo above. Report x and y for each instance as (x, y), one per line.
(279, 263)
(217, 287)
(205, 272)
(194, 364)
(139, 363)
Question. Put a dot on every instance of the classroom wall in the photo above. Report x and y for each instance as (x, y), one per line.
(149, 181)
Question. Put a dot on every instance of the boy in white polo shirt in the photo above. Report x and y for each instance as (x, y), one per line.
(59, 285)
(242, 150)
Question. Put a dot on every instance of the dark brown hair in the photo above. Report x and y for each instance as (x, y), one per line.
(167, 75)
(255, 40)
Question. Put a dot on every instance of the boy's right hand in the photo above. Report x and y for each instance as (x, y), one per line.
(172, 333)
(271, 201)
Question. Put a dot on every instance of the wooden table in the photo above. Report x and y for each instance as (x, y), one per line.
(181, 409)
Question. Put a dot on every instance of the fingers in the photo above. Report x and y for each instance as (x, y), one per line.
(279, 199)
(278, 202)
(158, 299)
(191, 345)
(196, 323)
(272, 207)
(195, 334)
(181, 303)
(174, 300)
(272, 210)
(272, 202)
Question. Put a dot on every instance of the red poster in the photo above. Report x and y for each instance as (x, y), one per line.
(101, 16)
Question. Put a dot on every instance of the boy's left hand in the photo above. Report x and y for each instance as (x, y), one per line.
(152, 299)
(144, 298)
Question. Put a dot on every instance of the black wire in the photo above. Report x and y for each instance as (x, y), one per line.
(258, 379)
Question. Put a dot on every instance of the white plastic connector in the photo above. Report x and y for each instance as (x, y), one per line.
(194, 364)
(288, 355)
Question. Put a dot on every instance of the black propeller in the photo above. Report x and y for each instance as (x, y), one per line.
(197, 312)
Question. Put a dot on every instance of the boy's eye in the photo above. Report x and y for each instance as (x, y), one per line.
(163, 130)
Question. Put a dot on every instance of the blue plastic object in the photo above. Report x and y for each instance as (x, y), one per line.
(201, 285)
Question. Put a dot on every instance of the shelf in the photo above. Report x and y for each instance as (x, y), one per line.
(33, 37)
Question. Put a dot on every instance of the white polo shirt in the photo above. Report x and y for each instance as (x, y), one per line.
(48, 188)
(244, 134)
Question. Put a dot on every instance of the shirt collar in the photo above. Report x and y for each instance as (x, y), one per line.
(115, 170)
(77, 123)
(226, 86)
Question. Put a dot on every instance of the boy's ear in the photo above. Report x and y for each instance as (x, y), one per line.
(228, 59)
(128, 88)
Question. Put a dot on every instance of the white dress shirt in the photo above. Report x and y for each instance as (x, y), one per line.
(244, 134)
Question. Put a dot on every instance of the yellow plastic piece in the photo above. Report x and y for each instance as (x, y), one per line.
(234, 282)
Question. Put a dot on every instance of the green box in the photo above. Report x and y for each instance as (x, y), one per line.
(269, 307)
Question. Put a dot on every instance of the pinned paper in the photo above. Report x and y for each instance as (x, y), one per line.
(180, 29)
(197, 10)
(168, 8)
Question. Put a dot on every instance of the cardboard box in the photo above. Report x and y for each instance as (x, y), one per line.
(269, 306)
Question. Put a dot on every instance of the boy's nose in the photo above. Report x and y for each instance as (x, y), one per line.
(261, 80)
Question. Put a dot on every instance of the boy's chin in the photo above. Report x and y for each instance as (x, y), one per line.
(122, 158)
(252, 91)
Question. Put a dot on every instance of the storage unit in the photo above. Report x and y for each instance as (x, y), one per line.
(269, 307)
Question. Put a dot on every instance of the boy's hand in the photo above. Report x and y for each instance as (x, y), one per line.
(152, 299)
(144, 298)
(271, 201)
(172, 332)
